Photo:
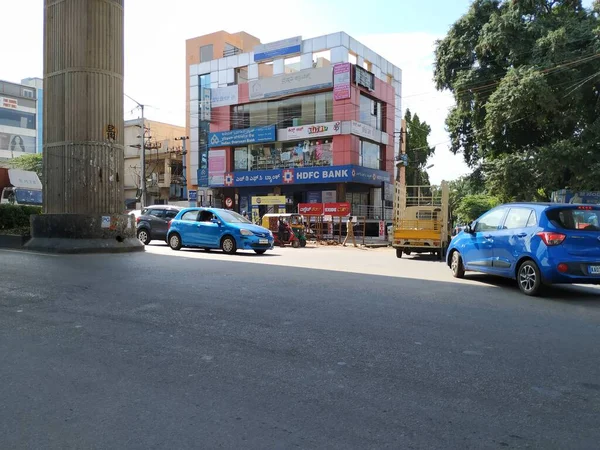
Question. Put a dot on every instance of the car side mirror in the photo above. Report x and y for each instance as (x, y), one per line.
(470, 229)
(217, 221)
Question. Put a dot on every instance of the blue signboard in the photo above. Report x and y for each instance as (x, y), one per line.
(254, 135)
(307, 175)
(280, 48)
(314, 197)
(192, 196)
(203, 177)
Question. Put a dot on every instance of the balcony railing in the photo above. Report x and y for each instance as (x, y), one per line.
(232, 52)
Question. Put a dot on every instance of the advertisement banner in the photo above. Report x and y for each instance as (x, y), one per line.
(17, 143)
(224, 96)
(287, 84)
(216, 167)
(263, 52)
(310, 209)
(269, 200)
(202, 175)
(314, 131)
(363, 130)
(255, 135)
(337, 209)
(341, 81)
(306, 175)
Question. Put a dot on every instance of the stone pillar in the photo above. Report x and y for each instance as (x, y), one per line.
(83, 128)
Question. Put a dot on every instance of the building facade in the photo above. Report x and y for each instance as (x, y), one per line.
(313, 120)
(18, 120)
(165, 179)
(38, 85)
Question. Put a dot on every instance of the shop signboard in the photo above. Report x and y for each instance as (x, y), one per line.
(224, 96)
(314, 131)
(291, 83)
(269, 200)
(337, 209)
(341, 81)
(216, 167)
(290, 46)
(306, 175)
(255, 135)
(381, 229)
(363, 130)
(310, 209)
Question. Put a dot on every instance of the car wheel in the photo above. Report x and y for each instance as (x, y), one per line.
(295, 244)
(457, 266)
(175, 241)
(407, 252)
(260, 252)
(303, 243)
(228, 245)
(144, 236)
(399, 252)
(529, 278)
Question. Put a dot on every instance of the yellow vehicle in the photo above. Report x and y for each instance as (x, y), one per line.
(421, 216)
(296, 223)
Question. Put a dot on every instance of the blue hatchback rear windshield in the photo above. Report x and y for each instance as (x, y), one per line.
(575, 218)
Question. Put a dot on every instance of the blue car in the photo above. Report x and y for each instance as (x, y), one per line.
(537, 244)
(212, 228)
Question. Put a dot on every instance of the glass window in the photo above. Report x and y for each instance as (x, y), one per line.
(490, 221)
(371, 112)
(575, 218)
(190, 216)
(170, 214)
(232, 217)
(206, 53)
(370, 155)
(240, 157)
(517, 218)
(18, 119)
(532, 222)
(156, 213)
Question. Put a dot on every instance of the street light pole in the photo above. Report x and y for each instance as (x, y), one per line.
(143, 153)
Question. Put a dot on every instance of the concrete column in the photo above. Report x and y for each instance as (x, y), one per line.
(83, 130)
(83, 107)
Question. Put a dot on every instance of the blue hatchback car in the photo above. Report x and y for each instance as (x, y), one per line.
(213, 228)
(537, 244)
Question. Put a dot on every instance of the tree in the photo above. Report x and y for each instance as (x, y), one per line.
(33, 162)
(473, 206)
(417, 149)
(525, 76)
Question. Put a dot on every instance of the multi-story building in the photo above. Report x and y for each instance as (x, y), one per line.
(38, 85)
(165, 181)
(314, 120)
(18, 120)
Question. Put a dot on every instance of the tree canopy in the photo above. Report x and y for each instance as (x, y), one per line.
(525, 76)
(32, 162)
(417, 149)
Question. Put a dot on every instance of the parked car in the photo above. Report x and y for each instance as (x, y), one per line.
(213, 228)
(537, 244)
(153, 222)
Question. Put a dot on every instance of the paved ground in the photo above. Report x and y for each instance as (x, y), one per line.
(308, 348)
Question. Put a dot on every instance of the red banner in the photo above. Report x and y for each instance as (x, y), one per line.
(310, 209)
(337, 209)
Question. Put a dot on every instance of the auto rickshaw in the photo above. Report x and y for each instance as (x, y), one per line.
(296, 238)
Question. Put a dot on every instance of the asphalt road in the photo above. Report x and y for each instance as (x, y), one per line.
(308, 348)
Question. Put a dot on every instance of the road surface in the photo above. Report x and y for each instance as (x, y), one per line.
(309, 348)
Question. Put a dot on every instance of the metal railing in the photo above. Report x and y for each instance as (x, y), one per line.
(232, 52)
(373, 212)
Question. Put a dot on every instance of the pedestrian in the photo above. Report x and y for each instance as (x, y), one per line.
(281, 230)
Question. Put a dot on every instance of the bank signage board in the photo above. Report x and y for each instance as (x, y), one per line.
(224, 96)
(255, 135)
(291, 83)
(290, 46)
(306, 175)
(314, 131)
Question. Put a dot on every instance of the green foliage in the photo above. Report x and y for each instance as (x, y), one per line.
(16, 216)
(525, 76)
(33, 163)
(471, 207)
(417, 149)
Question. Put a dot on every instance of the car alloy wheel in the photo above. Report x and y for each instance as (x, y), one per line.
(456, 264)
(228, 245)
(143, 237)
(175, 242)
(529, 278)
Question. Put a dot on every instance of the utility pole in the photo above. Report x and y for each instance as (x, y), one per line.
(183, 140)
(143, 153)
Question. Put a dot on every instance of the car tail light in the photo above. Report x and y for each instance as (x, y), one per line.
(169, 224)
(562, 268)
(137, 219)
(551, 239)
(585, 208)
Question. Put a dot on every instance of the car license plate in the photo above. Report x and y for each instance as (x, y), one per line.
(266, 241)
(594, 270)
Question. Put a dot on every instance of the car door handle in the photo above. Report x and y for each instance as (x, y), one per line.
(488, 236)
(521, 235)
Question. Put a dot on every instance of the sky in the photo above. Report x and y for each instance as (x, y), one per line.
(402, 31)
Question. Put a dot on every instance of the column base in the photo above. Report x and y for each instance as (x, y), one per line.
(81, 233)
